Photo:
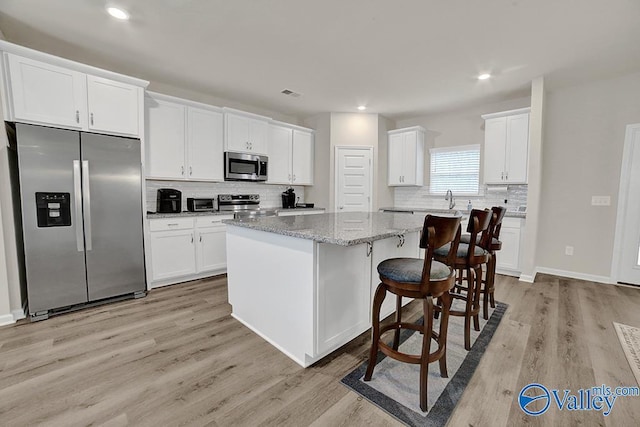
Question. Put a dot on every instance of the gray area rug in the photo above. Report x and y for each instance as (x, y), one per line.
(629, 338)
(395, 386)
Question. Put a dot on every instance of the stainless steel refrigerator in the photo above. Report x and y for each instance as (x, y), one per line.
(81, 201)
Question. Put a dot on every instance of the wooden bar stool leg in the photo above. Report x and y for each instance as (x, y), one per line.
(396, 335)
(375, 330)
(476, 298)
(468, 308)
(427, 306)
(493, 280)
(445, 301)
(485, 290)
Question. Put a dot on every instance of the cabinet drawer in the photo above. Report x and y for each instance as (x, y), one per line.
(211, 221)
(511, 223)
(165, 224)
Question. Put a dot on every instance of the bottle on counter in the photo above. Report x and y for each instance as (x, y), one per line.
(469, 206)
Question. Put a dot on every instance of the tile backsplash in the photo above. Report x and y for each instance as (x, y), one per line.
(494, 195)
(269, 193)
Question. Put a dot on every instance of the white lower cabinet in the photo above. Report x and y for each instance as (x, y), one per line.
(342, 292)
(346, 289)
(173, 254)
(396, 247)
(508, 257)
(211, 253)
(187, 248)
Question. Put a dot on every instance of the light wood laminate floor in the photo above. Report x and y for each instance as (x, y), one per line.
(176, 357)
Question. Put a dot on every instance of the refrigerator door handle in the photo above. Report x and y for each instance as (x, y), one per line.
(86, 196)
(77, 191)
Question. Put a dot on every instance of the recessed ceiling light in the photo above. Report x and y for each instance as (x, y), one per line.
(484, 76)
(118, 13)
(362, 107)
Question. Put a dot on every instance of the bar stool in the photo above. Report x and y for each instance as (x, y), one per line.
(469, 257)
(420, 279)
(493, 244)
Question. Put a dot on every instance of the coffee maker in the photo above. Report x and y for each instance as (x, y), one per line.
(289, 199)
(169, 201)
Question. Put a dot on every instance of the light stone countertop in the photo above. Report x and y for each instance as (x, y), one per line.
(185, 214)
(153, 215)
(344, 229)
(511, 214)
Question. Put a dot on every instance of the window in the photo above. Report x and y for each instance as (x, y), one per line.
(456, 169)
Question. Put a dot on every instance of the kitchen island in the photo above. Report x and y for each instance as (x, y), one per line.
(305, 283)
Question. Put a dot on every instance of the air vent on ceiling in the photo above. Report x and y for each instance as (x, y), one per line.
(290, 93)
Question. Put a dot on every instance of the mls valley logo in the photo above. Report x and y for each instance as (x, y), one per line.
(535, 399)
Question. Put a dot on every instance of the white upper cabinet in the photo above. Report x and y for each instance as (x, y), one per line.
(204, 144)
(506, 147)
(406, 157)
(245, 132)
(56, 92)
(279, 154)
(302, 157)
(165, 134)
(113, 106)
(46, 94)
(184, 139)
(290, 154)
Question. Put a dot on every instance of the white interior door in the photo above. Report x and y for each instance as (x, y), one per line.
(629, 207)
(353, 179)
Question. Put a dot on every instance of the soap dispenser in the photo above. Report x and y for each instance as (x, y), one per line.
(469, 207)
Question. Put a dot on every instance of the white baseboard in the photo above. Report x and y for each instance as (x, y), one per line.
(6, 319)
(575, 275)
(18, 314)
(528, 278)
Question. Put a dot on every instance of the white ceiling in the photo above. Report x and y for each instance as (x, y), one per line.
(400, 58)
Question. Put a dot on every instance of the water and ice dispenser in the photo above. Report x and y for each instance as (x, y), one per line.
(54, 209)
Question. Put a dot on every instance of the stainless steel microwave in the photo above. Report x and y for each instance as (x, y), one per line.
(244, 167)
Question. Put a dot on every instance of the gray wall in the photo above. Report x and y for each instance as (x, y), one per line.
(320, 193)
(582, 157)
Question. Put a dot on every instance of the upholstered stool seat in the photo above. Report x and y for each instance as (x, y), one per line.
(422, 279)
(466, 238)
(409, 270)
(492, 245)
(463, 250)
(469, 258)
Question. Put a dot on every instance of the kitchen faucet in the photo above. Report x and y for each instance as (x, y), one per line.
(449, 197)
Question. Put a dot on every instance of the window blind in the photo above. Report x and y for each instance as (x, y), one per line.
(456, 169)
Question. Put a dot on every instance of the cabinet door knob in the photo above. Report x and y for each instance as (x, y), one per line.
(77, 116)
(182, 170)
(200, 238)
(190, 171)
(91, 116)
(191, 238)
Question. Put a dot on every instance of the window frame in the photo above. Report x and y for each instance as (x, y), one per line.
(455, 148)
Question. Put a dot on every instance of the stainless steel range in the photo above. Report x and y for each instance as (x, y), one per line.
(243, 206)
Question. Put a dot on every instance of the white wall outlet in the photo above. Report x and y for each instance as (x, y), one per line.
(568, 250)
(600, 200)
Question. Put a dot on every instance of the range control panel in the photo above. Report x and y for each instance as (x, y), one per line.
(53, 209)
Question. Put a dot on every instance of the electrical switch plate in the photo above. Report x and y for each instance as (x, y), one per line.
(568, 250)
(600, 200)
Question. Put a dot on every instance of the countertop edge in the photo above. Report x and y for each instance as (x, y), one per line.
(510, 214)
(216, 213)
(255, 225)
